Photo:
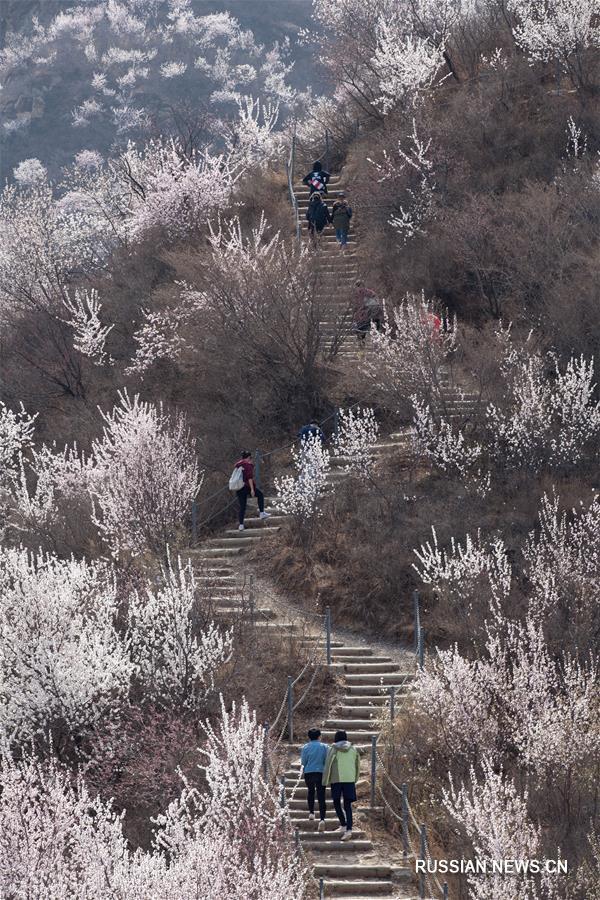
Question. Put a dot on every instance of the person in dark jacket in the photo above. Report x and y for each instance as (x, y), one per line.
(311, 430)
(317, 179)
(249, 489)
(341, 213)
(317, 216)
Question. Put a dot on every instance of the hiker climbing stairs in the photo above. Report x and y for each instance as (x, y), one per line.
(357, 868)
(337, 272)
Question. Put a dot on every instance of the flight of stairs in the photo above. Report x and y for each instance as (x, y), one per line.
(337, 272)
(357, 868)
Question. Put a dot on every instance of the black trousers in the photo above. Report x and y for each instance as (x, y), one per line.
(243, 495)
(313, 782)
(347, 791)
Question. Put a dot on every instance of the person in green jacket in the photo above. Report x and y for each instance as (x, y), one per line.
(342, 767)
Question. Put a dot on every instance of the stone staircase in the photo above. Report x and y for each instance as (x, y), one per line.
(337, 272)
(357, 868)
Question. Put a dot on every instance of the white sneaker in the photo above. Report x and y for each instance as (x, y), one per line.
(321, 825)
(340, 830)
(347, 836)
(240, 527)
(264, 515)
(311, 816)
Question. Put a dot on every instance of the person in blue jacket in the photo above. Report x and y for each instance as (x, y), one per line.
(312, 758)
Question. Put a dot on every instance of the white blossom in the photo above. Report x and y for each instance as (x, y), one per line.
(16, 433)
(30, 172)
(446, 448)
(410, 352)
(494, 815)
(355, 439)
(460, 571)
(556, 30)
(89, 333)
(405, 62)
(562, 559)
(61, 658)
(544, 420)
(300, 495)
(175, 662)
(143, 476)
(172, 69)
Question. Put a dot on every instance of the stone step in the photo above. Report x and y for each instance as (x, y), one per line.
(337, 888)
(222, 552)
(318, 639)
(274, 522)
(357, 736)
(328, 837)
(365, 679)
(275, 627)
(371, 668)
(301, 821)
(209, 570)
(350, 659)
(354, 870)
(353, 846)
(370, 689)
(350, 724)
(245, 612)
(346, 712)
(228, 602)
(375, 701)
(253, 533)
(342, 649)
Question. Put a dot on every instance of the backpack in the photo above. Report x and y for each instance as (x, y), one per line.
(236, 482)
(316, 181)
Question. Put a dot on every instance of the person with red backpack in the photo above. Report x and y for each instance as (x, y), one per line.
(317, 179)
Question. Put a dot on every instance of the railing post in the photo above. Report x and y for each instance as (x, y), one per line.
(321, 889)
(417, 616)
(445, 890)
(293, 155)
(297, 839)
(194, 521)
(257, 460)
(251, 598)
(336, 421)
(421, 648)
(265, 750)
(392, 703)
(422, 856)
(327, 149)
(282, 792)
(328, 634)
(405, 837)
(373, 768)
(290, 708)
